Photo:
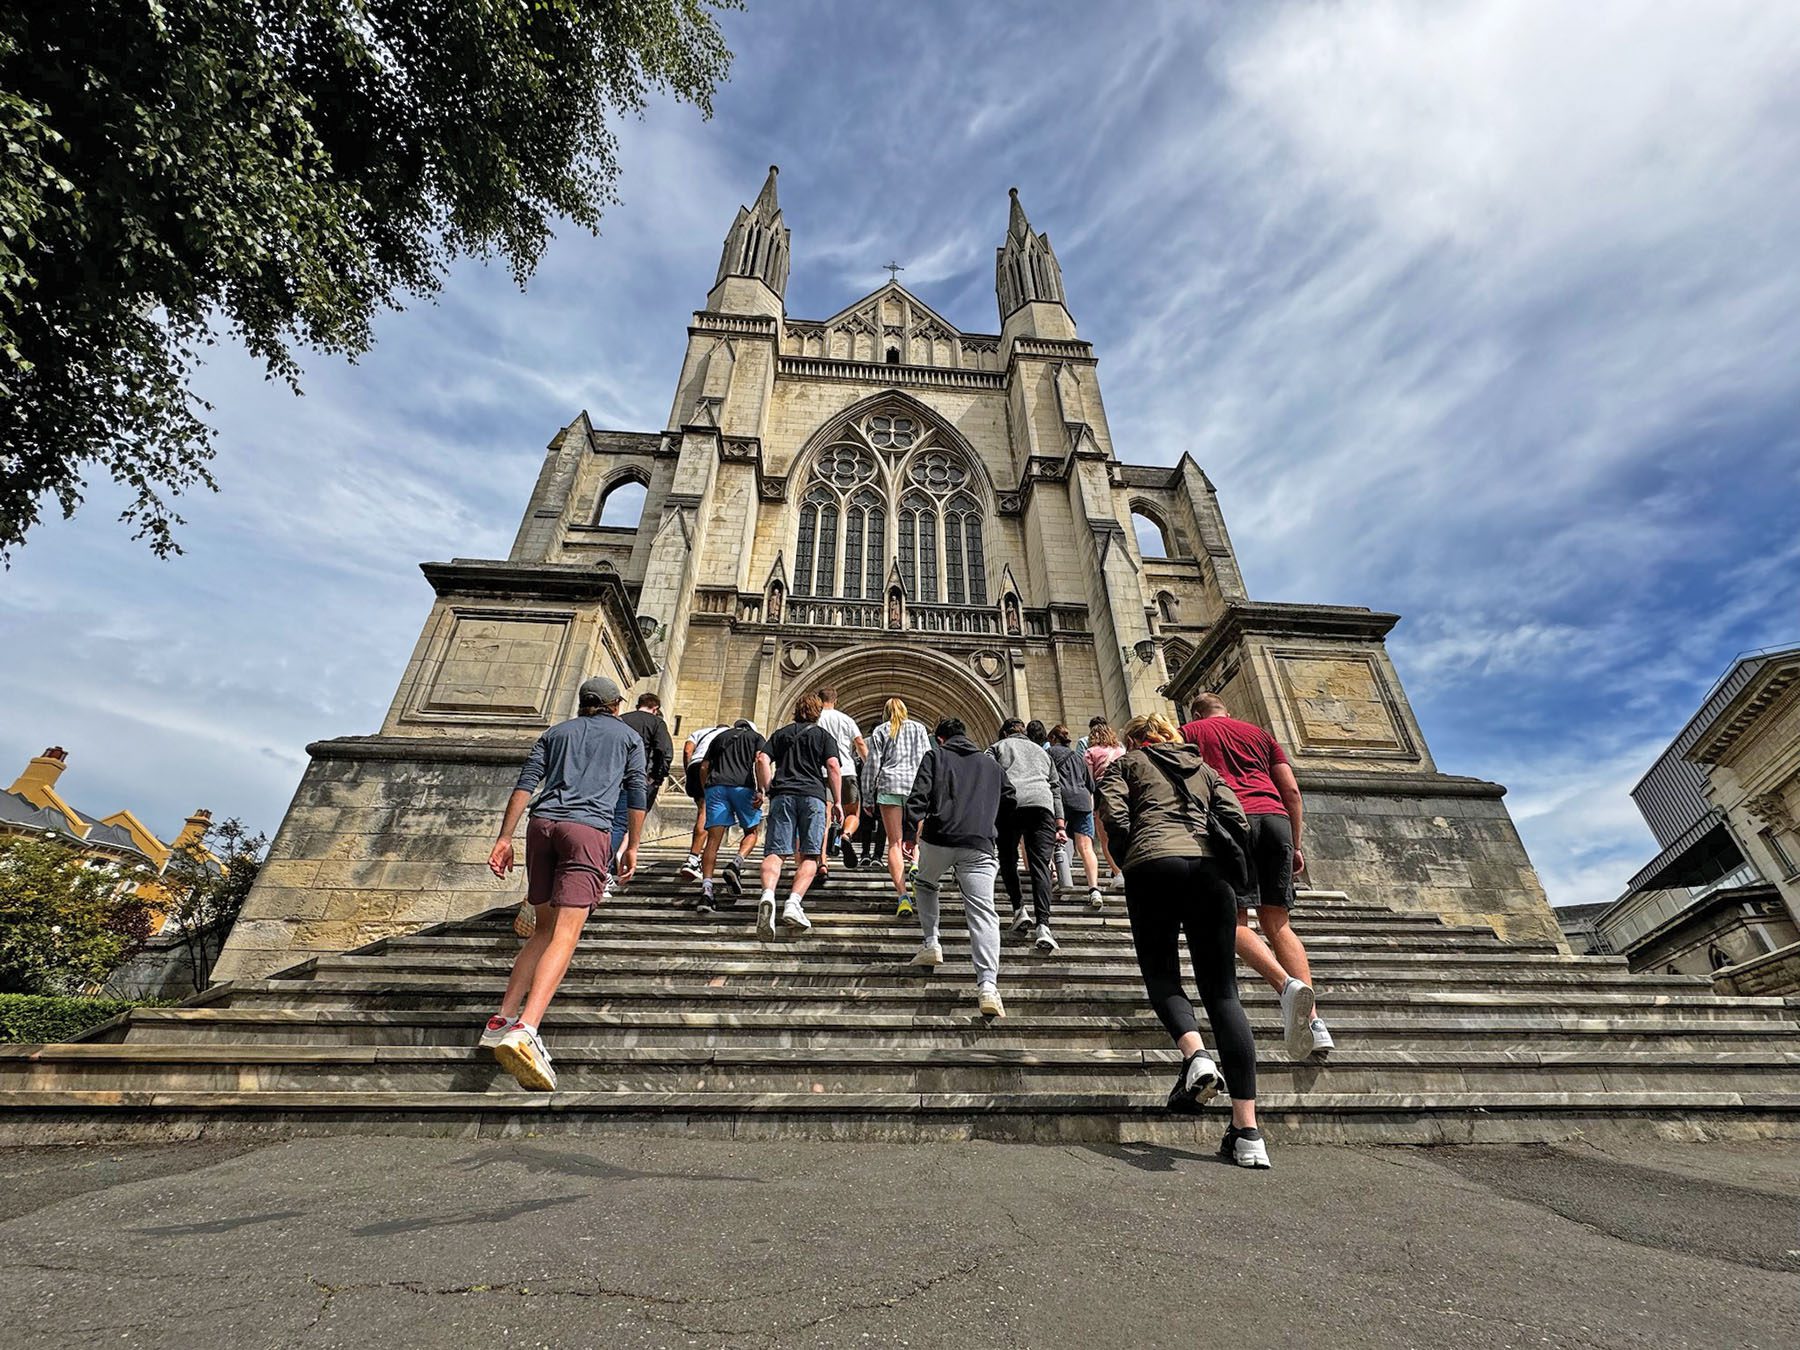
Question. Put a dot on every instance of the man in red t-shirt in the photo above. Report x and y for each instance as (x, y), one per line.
(1252, 764)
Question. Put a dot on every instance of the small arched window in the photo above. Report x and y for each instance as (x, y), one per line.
(1167, 606)
(1151, 541)
(893, 356)
(621, 505)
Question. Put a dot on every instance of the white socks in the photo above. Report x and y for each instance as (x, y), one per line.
(768, 896)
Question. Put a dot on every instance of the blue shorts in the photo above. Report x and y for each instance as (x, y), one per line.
(1079, 822)
(796, 823)
(732, 806)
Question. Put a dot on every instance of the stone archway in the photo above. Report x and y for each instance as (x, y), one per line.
(931, 684)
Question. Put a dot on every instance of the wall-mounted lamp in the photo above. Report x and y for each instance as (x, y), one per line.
(1145, 649)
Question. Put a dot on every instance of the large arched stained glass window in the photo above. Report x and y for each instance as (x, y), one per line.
(889, 481)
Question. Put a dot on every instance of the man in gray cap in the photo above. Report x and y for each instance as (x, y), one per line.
(572, 780)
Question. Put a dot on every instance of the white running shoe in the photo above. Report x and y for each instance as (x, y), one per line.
(1322, 1044)
(1096, 901)
(1296, 1015)
(793, 916)
(606, 891)
(522, 1053)
(1245, 1148)
(1021, 921)
(931, 954)
(1046, 944)
(989, 998)
(1196, 1083)
(496, 1029)
(765, 920)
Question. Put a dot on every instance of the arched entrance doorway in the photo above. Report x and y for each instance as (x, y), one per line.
(932, 686)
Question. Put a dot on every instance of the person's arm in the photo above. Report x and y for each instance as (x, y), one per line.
(1112, 799)
(858, 744)
(918, 801)
(500, 858)
(1056, 802)
(835, 776)
(1289, 788)
(637, 795)
(765, 772)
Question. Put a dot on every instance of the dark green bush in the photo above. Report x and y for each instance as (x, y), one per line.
(49, 1018)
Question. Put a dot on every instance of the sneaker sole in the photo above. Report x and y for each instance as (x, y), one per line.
(527, 1073)
(997, 1009)
(1299, 1044)
(1253, 1166)
(765, 922)
(797, 925)
(733, 882)
(931, 964)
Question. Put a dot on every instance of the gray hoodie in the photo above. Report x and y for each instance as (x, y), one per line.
(1032, 775)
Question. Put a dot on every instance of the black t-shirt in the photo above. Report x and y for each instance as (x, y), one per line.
(799, 751)
(731, 758)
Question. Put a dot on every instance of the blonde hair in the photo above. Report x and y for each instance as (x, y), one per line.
(1149, 728)
(1103, 734)
(896, 713)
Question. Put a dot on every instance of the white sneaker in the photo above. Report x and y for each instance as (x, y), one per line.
(793, 916)
(1046, 944)
(496, 1029)
(1096, 901)
(765, 920)
(606, 891)
(1296, 1017)
(1245, 1152)
(690, 870)
(1322, 1044)
(989, 998)
(931, 954)
(1021, 921)
(522, 1053)
(1197, 1082)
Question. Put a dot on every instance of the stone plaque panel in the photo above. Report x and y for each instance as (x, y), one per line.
(496, 664)
(1340, 702)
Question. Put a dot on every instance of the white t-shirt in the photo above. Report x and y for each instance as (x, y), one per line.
(844, 731)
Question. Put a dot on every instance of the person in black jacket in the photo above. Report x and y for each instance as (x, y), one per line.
(956, 799)
(659, 753)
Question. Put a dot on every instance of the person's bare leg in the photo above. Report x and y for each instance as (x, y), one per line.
(714, 838)
(700, 831)
(893, 821)
(1089, 863)
(771, 871)
(747, 845)
(525, 964)
(1256, 954)
(564, 927)
(805, 869)
(1284, 941)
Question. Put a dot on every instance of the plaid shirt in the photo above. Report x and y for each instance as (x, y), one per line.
(894, 763)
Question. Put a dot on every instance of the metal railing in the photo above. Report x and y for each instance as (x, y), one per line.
(825, 612)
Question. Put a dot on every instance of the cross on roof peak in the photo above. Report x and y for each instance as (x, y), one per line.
(893, 269)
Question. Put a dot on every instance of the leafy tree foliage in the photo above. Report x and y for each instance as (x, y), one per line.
(282, 169)
(64, 925)
(203, 887)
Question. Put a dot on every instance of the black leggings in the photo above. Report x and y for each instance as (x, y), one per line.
(1163, 897)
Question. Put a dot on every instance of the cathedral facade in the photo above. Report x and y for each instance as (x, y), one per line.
(885, 503)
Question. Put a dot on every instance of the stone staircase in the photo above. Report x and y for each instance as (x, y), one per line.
(672, 1021)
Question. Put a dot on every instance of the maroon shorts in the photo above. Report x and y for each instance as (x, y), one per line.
(566, 863)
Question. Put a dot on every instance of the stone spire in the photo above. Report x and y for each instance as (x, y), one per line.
(753, 266)
(1028, 278)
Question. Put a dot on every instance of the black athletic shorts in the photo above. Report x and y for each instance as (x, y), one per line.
(1271, 862)
(694, 790)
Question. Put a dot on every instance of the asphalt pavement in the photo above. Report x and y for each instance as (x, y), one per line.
(393, 1242)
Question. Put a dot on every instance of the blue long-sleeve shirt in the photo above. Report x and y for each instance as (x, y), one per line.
(578, 769)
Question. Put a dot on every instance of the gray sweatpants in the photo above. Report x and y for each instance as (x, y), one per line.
(975, 870)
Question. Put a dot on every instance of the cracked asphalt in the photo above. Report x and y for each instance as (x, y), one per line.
(402, 1242)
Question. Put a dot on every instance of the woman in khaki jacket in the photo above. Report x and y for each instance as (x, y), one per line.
(1157, 802)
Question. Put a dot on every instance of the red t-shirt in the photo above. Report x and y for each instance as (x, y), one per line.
(1241, 753)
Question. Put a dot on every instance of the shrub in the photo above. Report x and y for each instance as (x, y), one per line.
(47, 1018)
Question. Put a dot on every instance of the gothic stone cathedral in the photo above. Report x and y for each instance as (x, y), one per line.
(886, 503)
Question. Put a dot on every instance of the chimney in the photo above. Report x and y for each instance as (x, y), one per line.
(40, 775)
(195, 829)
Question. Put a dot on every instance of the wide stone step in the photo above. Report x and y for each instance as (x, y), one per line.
(946, 992)
(127, 1068)
(1423, 1029)
(780, 970)
(1318, 1117)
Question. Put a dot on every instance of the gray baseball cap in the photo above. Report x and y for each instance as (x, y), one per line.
(601, 689)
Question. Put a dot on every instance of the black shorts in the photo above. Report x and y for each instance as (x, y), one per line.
(1271, 862)
(694, 789)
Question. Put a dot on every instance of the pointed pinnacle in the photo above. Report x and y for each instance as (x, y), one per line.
(1017, 225)
(766, 205)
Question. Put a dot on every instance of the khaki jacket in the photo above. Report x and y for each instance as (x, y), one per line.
(1148, 817)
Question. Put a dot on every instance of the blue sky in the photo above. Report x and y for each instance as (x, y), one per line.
(1482, 312)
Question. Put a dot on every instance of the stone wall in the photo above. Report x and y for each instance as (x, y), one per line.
(1431, 843)
(1777, 972)
(385, 835)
